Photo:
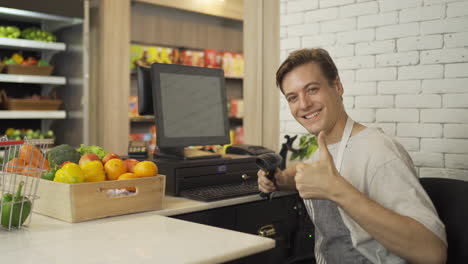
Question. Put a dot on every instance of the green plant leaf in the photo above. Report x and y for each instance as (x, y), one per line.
(294, 156)
(307, 146)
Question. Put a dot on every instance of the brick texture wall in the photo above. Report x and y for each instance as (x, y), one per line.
(404, 66)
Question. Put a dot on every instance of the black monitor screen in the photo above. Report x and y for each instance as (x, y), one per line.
(190, 105)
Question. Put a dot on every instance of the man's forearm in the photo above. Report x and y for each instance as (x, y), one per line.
(402, 235)
(286, 180)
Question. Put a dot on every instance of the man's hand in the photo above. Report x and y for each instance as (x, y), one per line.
(316, 180)
(265, 185)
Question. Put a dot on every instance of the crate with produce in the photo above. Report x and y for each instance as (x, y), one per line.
(33, 102)
(17, 64)
(89, 183)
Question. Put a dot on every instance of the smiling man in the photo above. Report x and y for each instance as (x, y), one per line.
(360, 188)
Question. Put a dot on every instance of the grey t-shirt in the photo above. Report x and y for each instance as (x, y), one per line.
(380, 168)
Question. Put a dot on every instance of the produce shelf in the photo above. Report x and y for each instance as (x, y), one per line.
(19, 78)
(26, 44)
(5, 114)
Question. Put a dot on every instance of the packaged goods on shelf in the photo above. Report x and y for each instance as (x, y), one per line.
(233, 64)
(192, 58)
(140, 137)
(133, 106)
(213, 58)
(236, 108)
(152, 145)
(144, 55)
(237, 135)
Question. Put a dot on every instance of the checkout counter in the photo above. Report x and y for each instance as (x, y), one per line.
(153, 237)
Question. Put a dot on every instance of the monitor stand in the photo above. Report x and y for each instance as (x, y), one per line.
(184, 154)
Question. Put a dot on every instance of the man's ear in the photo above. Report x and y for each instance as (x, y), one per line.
(339, 86)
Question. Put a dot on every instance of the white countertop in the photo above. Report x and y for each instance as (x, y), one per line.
(147, 237)
(135, 238)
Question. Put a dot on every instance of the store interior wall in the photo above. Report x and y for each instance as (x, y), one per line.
(404, 67)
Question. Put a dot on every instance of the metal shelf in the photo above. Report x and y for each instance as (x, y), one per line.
(20, 78)
(26, 44)
(32, 114)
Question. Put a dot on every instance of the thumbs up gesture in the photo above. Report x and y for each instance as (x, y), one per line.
(317, 180)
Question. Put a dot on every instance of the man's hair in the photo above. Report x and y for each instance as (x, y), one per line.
(304, 56)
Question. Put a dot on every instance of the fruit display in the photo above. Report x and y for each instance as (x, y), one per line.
(38, 34)
(31, 33)
(19, 134)
(9, 32)
(93, 164)
(18, 59)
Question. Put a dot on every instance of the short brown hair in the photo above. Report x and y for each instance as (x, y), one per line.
(304, 56)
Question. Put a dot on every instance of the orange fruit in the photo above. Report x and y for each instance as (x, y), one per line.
(126, 176)
(114, 168)
(145, 169)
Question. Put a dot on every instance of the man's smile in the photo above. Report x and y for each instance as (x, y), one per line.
(312, 115)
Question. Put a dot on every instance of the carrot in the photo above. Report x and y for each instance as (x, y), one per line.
(31, 171)
(31, 155)
(15, 165)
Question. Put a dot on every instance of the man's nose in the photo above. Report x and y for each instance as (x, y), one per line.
(304, 102)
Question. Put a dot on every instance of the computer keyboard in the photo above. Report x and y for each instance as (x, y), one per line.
(224, 191)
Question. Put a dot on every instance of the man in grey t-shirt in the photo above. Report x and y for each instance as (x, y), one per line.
(360, 188)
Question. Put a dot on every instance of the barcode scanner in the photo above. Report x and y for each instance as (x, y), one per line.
(269, 162)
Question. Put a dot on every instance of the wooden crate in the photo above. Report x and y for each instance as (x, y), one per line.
(33, 104)
(29, 69)
(87, 201)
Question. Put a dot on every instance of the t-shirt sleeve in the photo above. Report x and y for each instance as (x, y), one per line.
(395, 187)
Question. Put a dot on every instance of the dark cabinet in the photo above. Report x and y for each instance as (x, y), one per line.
(283, 219)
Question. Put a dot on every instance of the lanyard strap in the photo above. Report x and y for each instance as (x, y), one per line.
(344, 141)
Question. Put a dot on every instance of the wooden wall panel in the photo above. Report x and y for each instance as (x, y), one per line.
(232, 9)
(113, 76)
(159, 25)
(261, 51)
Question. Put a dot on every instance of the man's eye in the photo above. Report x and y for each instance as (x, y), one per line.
(312, 89)
(291, 99)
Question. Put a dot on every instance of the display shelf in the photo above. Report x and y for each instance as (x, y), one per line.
(6, 114)
(25, 44)
(234, 78)
(19, 78)
(142, 119)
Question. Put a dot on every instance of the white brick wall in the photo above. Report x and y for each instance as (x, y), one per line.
(404, 67)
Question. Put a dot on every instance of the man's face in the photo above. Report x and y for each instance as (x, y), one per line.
(313, 102)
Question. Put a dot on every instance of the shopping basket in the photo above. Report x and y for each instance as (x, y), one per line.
(23, 163)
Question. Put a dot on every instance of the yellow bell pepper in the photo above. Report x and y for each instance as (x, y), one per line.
(93, 171)
(69, 173)
(17, 58)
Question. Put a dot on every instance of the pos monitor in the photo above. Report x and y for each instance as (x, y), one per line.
(190, 108)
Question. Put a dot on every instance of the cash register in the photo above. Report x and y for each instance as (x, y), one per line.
(190, 109)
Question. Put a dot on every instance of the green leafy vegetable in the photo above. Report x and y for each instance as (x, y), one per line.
(99, 151)
(61, 153)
